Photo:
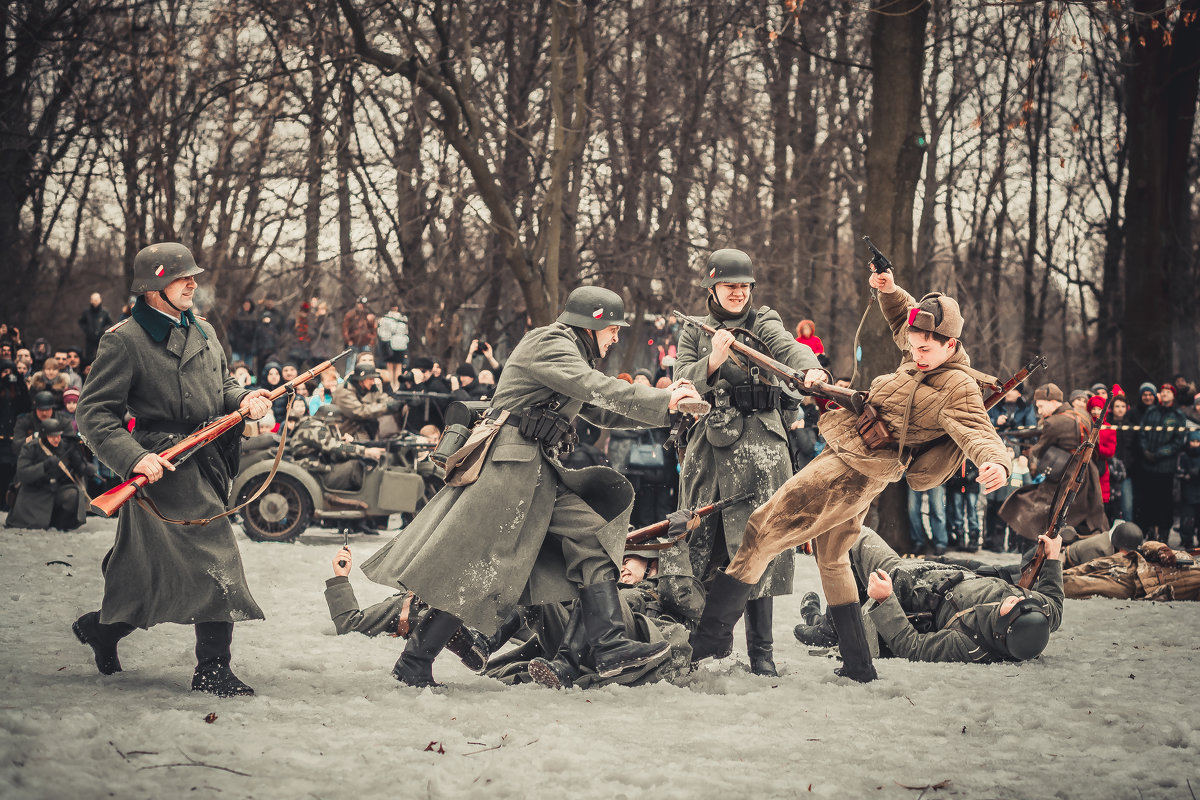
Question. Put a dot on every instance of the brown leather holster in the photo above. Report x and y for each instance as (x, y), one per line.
(871, 428)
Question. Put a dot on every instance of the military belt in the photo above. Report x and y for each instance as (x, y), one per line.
(540, 424)
(165, 426)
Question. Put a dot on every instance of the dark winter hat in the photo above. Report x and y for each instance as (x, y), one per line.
(1147, 387)
(43, 400)
(645, 373)
(71, 394)
(937, 313)
(1126, 536)
(1048, 391)
(1170, 387)
(465, 371)
(52, 427)
(1079, 394)
(7, 364)
(1097, 388)
(1194, 435)
(422, 363)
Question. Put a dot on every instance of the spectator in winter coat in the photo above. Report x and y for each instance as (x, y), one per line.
(1147, 399)
(266, 335)
(1153, 497)
(1124, 461)
(94, 321)
(1188, 469)
(1185, 391)
(1106, 446)
(50, 379)
(806, 333)
(1013, 412)
(242, 332)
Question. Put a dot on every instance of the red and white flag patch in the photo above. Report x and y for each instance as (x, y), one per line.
(598, 313)
(158, 271)
(712, 272)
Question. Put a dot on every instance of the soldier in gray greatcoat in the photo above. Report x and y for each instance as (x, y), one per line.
(528, 531)
(741, 444)
(165, 367)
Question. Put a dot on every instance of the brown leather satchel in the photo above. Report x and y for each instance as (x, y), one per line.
(873, 430)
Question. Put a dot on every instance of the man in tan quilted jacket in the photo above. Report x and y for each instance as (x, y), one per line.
(932, 406)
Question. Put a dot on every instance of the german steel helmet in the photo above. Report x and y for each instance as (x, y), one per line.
(157, 265)
(329, 413)
(728, 266)
(1024, 630)
(593, 308)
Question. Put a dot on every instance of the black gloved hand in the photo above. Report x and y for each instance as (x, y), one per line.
(52, 467)
(678, 523)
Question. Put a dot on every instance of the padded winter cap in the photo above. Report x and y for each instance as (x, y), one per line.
(157, 265)
(593, 308)
(728, 266)
(1147, 387)
(1025, 630)
(1126, 536)
(43, 400)
(1048, 391)
(937, 313)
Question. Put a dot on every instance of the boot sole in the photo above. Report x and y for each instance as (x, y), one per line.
(657, 655)
(542, 674)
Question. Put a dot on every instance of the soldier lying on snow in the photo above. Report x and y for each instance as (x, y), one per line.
(551, 635)
(929, 611)
(1152, 571)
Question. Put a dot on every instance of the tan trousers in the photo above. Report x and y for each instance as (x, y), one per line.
(825, 502)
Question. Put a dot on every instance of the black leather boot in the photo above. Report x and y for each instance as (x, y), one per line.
(507, 629)
(604, 627)
(817, 630)
(561, 671)
(759, 640)
(415, 666)
(212, 674)
(471, 647)
(102, 639)
(713, 637)
(852, 641)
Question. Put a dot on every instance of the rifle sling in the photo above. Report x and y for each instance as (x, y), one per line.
(149, 505)
(61, 465)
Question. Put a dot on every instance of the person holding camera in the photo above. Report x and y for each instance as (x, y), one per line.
(51, 476)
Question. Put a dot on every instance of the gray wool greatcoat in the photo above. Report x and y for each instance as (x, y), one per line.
(478, 551)
(729, 452)
(158, 572)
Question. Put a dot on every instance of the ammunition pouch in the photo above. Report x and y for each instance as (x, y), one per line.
(1054, 462)
(873, 430)
(754, 396)
(545, 426)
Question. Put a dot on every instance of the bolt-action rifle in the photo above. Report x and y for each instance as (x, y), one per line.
(847, 398)
(1082, 457)
(109, 502)
(652, 537)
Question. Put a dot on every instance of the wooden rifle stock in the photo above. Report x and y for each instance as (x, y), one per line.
(112, 500)
(1083, 457)
(645, 538)
(996, 397)
(847, 398)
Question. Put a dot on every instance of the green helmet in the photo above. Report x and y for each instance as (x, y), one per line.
(593, 308)
(328, 413)
(728, 266)
(157, 265)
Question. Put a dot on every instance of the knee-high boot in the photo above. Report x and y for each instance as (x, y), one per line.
(852, 641)
(212, 675)
(816, 630)
(415, 666)
(612, 651)
(726, 601)
(561, 671)
(102, 639)
(759, 639)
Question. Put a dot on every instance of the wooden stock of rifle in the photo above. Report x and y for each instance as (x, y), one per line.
(109, 502)
(847, 398)
(648, 538)
(1083, 457)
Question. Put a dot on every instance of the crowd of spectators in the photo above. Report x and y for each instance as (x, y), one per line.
(1148, 454)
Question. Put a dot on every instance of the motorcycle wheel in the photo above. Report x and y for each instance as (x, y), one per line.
(280, 514)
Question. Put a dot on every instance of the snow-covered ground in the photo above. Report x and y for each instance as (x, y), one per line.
(1109, 711)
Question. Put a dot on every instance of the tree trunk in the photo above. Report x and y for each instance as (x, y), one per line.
(893, 166)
